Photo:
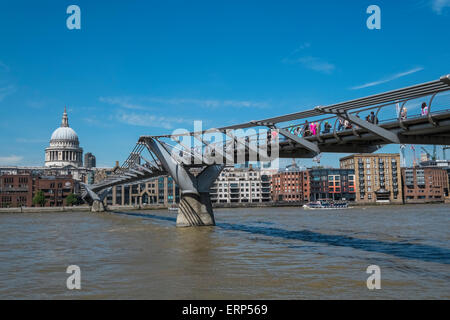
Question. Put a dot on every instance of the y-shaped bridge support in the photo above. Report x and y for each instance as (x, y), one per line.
(195, 207)
(97, 198)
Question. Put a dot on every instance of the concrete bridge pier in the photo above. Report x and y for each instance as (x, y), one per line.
(195, 208)
(97, 204)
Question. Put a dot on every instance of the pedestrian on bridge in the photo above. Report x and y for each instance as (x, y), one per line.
(306, 129)
(424, 109)
(373, 118)
(327, 127)
(404, 113)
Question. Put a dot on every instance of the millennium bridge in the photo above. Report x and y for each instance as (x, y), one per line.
(195, 159)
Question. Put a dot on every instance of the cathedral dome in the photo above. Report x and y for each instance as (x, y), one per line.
(64, 147)
(64, 133)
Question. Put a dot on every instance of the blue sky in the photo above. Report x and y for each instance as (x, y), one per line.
(148, 67)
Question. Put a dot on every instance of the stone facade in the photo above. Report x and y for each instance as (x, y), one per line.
(64, 149)
(378, 177)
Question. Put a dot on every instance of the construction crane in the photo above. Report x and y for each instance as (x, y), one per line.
(317, 159)
(414, 155)
(444, 148)
(402, 152)
(293, 165)
(432, 157)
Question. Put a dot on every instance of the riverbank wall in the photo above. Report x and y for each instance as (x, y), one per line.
(86, 208)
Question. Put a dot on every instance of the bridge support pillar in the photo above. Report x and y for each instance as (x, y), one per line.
(96, 199)
(195, 208)
(98, 206)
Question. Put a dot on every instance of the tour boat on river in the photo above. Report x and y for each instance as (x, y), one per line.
(326, 204)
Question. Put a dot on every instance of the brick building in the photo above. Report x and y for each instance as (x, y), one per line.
(423, 185)
(290, 186)
(16, 190)
(55, 189)
(377, 177)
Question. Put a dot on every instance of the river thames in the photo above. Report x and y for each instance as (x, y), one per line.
(259, 253)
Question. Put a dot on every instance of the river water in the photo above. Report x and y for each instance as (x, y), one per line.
(268, 253)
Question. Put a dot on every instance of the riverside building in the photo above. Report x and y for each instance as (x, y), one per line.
(330, 183)
(236, 185)
(18, 190)
(290, 186)
(377, 177)
(425, 184)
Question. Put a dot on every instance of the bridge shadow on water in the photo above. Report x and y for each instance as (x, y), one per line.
(406, 250)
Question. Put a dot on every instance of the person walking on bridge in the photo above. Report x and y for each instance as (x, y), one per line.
(306, 129)
(424, 109)
(404, 113)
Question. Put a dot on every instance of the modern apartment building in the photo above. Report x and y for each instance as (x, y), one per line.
(329, 183)
(241, 185)
(377, 177)
(290, 186)
(422, 185)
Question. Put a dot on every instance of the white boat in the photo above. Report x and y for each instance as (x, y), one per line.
(326, 205)
(172, 207)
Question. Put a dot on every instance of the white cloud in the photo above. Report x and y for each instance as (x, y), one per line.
(123, 102)
(150, 120)
(6, 91)
(316, 64)
(439, 5)
(308, 61)
(10, 160)
(128, 102)
(211, 103)
(388, 79)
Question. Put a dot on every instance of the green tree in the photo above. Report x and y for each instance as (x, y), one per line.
(72, 199)
(39, 198)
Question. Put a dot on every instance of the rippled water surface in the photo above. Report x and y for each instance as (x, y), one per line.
(270, 253)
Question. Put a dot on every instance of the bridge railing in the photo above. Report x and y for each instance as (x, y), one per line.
(328, 125)
(321, 122)
(395, 113)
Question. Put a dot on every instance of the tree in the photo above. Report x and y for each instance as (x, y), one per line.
(39, 198)
(72, 199)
